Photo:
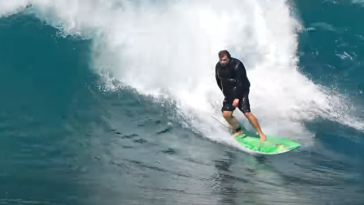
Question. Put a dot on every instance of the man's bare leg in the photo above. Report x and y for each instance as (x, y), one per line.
(253, 120)
(228, 115)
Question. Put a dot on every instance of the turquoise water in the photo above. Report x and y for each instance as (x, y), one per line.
(83, 120)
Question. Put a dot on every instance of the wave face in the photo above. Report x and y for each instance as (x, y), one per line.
(120, 97)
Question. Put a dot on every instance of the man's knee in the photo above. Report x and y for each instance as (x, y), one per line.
(249, 115)
(227, 114)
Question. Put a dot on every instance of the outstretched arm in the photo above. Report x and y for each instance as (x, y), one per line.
(240, 74)
(218, 80)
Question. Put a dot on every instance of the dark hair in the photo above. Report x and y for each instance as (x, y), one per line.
(222, 53)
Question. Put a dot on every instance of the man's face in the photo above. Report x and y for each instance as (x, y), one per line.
(224, 60)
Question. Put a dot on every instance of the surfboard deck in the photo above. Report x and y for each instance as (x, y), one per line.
(272, 145)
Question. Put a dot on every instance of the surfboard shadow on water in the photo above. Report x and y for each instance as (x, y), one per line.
(243, 178)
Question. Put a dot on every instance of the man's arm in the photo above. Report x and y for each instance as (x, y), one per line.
(240, 76)
(218, 80)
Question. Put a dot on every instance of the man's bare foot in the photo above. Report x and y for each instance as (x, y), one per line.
(262, 137)
(237, 134)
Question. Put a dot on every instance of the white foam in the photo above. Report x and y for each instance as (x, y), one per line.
(169, 50)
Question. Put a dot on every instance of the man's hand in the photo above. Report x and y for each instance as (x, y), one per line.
(236, 102)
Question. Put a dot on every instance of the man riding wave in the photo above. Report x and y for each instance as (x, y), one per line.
(232, 80)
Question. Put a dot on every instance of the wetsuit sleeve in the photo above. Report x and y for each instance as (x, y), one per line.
(240, 76)
(218, 80)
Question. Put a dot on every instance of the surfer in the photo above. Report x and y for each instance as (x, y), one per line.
(232, 80)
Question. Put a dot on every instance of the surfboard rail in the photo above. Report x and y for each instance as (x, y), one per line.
(272, 145)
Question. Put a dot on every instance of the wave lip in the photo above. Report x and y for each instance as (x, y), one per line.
(169, 50)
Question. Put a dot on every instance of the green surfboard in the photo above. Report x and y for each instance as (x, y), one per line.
(273, 145)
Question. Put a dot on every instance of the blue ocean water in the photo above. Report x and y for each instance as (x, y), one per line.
(69, 137)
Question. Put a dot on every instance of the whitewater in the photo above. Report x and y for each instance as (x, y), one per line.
(168, 50)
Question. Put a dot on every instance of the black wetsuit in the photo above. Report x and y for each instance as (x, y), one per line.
(234, 84)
